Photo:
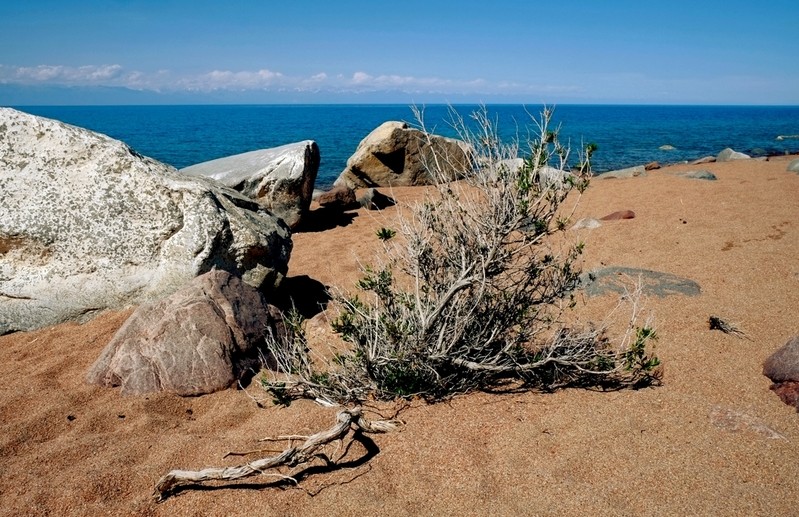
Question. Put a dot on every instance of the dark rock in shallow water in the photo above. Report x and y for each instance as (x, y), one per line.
(616, 279)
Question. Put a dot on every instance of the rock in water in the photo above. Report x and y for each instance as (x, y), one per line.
(397, 155)
(201, 339)
(281, 178)
(87, 224)
(728, 155)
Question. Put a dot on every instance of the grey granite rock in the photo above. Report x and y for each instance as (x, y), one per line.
(88, 224)
(281, 178)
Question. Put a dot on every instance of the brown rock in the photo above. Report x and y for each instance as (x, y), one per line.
(340, 197)
(788, 392)
(703, 160)
(783, 365)
(618, 215)
(395, 154)
(651, 166)
(201, 339)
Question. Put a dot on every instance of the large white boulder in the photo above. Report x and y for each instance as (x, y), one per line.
(281, 178)
(395, 154)
(87, 224)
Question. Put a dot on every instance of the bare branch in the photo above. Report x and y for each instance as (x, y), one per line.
(346, 420)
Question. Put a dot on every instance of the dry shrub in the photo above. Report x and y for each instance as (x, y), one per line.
(471, 296)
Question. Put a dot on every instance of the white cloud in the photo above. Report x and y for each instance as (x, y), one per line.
(263, 80)
(89, 74)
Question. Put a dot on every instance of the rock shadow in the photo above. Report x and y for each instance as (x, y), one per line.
(308, 296)
(323, 219)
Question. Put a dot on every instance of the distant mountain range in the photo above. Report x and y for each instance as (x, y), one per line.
(40, 95)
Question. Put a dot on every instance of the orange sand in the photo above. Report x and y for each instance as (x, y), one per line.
(689, 447)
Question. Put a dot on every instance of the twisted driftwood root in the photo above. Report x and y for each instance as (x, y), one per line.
(346, 420)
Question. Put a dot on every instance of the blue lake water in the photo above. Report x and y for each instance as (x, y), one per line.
(625, 135)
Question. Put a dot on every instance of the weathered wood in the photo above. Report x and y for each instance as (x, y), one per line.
(293, 456)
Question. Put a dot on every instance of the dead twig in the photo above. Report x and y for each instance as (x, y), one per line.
(346, 421)
(716, 323)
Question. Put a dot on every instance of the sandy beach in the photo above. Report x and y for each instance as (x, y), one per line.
(712, 440)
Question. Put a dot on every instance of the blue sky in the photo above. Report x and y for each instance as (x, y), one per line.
(566, 51)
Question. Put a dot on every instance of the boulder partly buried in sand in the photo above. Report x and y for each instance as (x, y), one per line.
(88, 224)
(699, 175)
(782, 368)
(619, 215)
(621, 280)
(281, 178)
(629, 172)
(395, 154)
(201, 339)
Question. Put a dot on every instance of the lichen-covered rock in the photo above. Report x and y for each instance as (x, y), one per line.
(395, 154)
(281, 178)
(87, 224)
(201, 339)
